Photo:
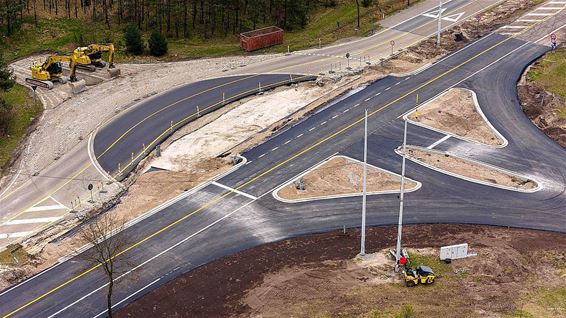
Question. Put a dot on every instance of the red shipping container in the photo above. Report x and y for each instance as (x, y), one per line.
(261, 38)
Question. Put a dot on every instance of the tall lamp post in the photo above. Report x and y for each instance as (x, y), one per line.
(364, 186)
(400, 224)
(439, 23)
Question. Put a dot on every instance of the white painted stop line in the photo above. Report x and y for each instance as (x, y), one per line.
(34, 220)
(47, 208)
(14, 235)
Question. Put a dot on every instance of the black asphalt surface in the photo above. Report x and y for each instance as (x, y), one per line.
(211, 222)
(125, 141)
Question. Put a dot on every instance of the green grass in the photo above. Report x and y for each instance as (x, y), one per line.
(62, 35)
(24, 112)
(550, 73)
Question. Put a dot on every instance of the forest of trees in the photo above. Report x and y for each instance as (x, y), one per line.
(174, 18)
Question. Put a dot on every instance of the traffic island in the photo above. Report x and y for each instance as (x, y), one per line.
(341, 176)
(470, 170)
(457, 112)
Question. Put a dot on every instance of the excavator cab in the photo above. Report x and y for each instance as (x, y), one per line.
(43, 74)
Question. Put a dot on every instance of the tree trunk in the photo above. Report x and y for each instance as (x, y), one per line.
(358, 7)
(109, 295)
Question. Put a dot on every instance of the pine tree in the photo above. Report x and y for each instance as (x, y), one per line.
(7, 77)
(157, 44)
(133, 38)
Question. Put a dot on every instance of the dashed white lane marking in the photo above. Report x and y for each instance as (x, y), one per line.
(286, 142)
(557, 2)
(367, 99)
(397, 83)
(46, 208)
(234, 190)
(438, 142)
(388, 88)
(15, 234)
(408, 78)
(334, 116)
(549, 8)
(323, 123)
(356, 105)
(274, 148)
(312, 129)
(261, 155)
(377, 94)
(346, 110)
(528, 20)
(34, 220)
(299, 136)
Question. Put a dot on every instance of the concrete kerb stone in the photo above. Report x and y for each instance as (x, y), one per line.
(479, 163)
(504, 140)
(337, 196)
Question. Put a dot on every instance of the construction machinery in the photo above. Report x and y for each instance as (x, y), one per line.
(43, 74)
(94, 52)
(422, 275)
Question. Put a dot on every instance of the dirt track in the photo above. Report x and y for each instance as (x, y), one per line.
(495, 282)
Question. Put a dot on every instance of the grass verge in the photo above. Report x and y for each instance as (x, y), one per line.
(550, 73)
(24, 112)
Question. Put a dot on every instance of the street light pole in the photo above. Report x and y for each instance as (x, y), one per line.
(439, 23)
(400, 225)
(363, 238)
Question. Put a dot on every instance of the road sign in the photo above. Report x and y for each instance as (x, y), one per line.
(34, 87)
(347, 55)
(90, 186)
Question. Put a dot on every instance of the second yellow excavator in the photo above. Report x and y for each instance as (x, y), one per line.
(94, 52)
(43, 74)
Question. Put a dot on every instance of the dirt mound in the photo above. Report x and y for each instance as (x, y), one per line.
(455, 112)
(343, 176)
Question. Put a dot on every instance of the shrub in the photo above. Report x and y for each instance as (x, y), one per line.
(133, 39)
(7, 78)
(366, 3)
(5, 117)
(157, 44)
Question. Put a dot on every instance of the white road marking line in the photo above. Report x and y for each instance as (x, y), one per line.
(274, 148)
(356, 105)
(408, 78)
(323, 123)
(312, 129)
(261, 155)
(528, 20)
(286, 142)
(539, 14)
(346, 110)
(299, 136)
(14, 235)
(46, 208)
(397, 83)
(549, 8)
(557, 2)
(234, 190)
(507, 33)
(34, 220)
(367, 99)
(388, 88)
(438, 142)
(378, 94)
(513, 26)
(60, 204)
(131, 295)
(334, 116)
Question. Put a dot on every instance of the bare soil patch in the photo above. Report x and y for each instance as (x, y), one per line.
(343, 176)
(455, 112)
(470, 169)
(516, 271)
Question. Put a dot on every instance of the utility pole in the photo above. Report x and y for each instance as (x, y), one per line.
(363, 238)
(439, 23)
(400, 225)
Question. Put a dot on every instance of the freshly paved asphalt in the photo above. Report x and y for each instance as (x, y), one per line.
(66, 179)
(211, 222)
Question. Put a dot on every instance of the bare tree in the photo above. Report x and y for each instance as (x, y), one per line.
(106, 247)
(358, 8)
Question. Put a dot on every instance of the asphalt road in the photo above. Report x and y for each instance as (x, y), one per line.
(212, 222)
(64, 182)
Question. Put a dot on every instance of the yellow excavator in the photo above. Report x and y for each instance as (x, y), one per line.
(94, 52)
(43, 74)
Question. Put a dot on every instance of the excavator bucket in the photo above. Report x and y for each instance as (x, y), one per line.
(78, 86)
(114, 72)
